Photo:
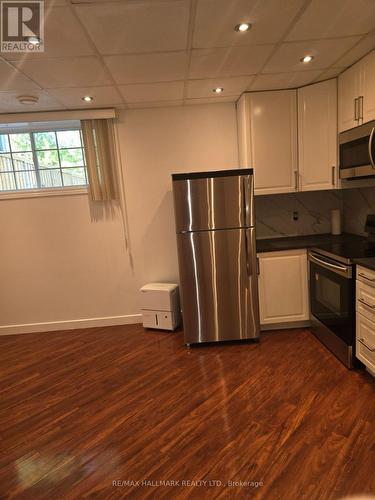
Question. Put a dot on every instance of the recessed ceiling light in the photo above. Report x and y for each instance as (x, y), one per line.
(243, 27)
(307, 59)
(87, 98)
(34, 40)
(27, 99)
(218, 90)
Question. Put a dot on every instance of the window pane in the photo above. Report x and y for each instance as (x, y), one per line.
(7, 182)
(6, 163)
(74, 177)
(26, 180)
(71, 157)
(48, 159)
(20, 142)
(69, 139)
(4, 143)
(50, 178)
(23, 161)
(45, 140)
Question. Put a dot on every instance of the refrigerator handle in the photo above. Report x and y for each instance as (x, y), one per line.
(248, 255)
(245, 200)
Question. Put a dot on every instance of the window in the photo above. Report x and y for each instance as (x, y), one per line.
(41, 159)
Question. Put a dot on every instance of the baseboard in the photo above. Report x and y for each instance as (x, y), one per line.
(285, 326)
(74, 324)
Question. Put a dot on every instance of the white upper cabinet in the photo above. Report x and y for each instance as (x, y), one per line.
(267, 128)
(357, 93)
(349, 92)
(368, 83)
(317, 136)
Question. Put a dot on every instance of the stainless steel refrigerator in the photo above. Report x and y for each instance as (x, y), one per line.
(215, 225)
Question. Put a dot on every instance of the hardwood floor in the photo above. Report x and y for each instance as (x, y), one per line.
(81, 409)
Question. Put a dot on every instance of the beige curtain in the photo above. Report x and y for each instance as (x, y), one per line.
(100, 150)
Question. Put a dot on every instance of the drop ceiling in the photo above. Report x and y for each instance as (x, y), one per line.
(145, 53)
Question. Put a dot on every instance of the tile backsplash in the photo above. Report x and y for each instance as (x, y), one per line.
(358, 203)
(276, 214)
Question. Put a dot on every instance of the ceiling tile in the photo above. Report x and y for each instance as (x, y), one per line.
(284, 80)
(143, 68)
(234, 61)
(137, 26)
(334, 18)
(325, 52)
(361, 49)
(215, 21)
(11, 79)
(232, 86)
(72, 97)
(59, 41)
(155, 104)
(9, 103)
(211, 100)
(149, 92)
(66, 72)
(330, 73)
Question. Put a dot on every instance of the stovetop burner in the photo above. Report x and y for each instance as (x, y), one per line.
(346, 250)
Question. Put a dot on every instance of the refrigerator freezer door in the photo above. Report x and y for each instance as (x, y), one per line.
(219, 283)
(214, 203)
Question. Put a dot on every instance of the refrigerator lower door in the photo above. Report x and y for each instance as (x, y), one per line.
(219, 284)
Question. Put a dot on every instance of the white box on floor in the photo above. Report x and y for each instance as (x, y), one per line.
(160, 306)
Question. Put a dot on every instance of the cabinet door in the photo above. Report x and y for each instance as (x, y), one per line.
(283, 292)
(317, 135)
(273, 139)
(365, 344)
(349, 90)
(368, 64)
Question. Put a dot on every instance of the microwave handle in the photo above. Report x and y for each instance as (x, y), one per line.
(370, 147)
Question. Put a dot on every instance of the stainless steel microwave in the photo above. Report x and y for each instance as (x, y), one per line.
(357, 152)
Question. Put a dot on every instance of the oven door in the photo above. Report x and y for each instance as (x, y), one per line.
(332, 296)
(357, 152)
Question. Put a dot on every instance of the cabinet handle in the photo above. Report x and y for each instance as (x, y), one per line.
(365, 304)
(356, 109)
(333, 176)
(362, 341)
(360, 107)
(366, 277)
(296, 180)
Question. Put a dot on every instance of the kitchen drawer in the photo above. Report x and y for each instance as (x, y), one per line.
(365, 343)
(365, 275)
(365, 302)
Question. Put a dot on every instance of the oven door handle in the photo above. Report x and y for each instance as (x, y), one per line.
(327, 264)
(370, 147)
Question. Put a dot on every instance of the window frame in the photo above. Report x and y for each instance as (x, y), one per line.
(45, 191)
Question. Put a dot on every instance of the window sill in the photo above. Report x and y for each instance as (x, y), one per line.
(43, 193)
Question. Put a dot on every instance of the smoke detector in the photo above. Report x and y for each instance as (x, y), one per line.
(27, 99)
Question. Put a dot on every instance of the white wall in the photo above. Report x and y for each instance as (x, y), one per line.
(57, 265)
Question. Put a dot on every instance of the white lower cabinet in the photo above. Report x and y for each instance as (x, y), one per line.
(365, 318)
(283, 287)
(365, 345)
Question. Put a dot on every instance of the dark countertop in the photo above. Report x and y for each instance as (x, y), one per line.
(368, 262)
(309, 241)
